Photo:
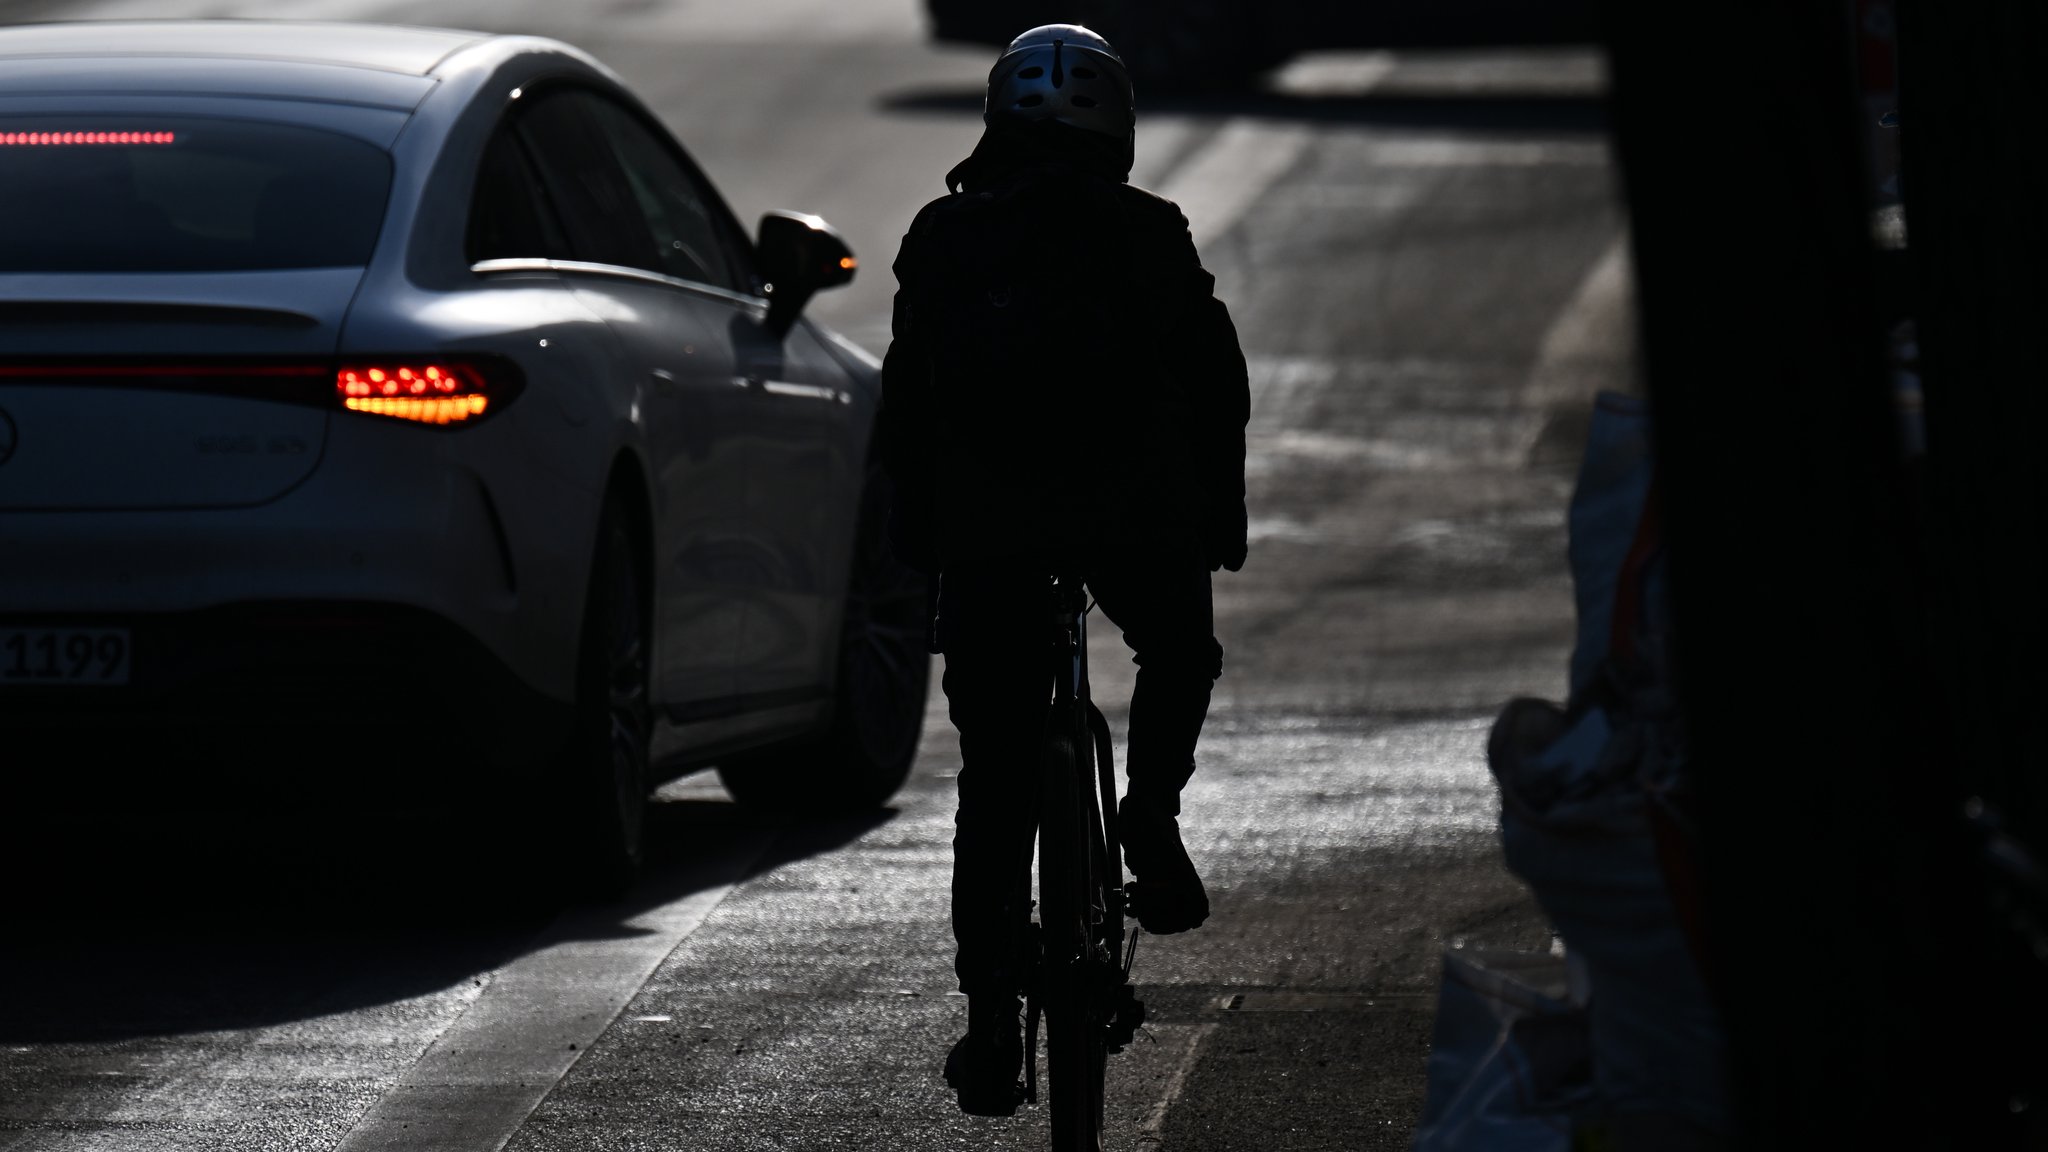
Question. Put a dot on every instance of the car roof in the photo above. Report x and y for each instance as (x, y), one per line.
(374, 47)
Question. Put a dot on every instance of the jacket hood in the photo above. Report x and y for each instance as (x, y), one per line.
(1009, 146)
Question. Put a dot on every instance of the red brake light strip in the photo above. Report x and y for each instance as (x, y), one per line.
(59, 138)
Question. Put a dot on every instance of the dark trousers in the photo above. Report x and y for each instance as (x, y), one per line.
(993, 626)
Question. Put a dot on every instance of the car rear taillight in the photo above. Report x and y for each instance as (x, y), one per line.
(440, 392)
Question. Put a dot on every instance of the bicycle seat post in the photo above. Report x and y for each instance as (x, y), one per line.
(1070, 634)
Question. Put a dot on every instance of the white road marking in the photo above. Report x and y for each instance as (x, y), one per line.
(1334, 74)
(1219, 184)
(1582, 330)
(1439, 152)
(319, 9)
(1161, 139)
(185, 10)
(1280, 385)
(493, 1066)
(809, 21)
(1589, 346)
(236, 9)
(786, 21)
(1149, 1137)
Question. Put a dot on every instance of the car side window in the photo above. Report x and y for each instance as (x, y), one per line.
(600, 216)
(677, 207)
(509, 218)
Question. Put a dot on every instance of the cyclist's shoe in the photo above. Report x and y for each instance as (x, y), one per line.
(986, 1065)
(1166, 894)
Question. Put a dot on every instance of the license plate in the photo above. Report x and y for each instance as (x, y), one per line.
(63, 657)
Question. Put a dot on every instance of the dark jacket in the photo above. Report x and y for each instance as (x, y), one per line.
(1060, 369)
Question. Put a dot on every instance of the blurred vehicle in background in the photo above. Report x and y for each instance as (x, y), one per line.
(1207, 44)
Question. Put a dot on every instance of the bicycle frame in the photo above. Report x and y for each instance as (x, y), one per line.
(1081, 987)
(1071, 689)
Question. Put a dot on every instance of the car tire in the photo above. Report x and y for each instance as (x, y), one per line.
(599, 789)
(878, 703)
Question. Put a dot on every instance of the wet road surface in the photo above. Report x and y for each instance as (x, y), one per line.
(1423, 254)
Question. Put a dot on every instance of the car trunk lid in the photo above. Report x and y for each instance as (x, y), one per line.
(165, 390)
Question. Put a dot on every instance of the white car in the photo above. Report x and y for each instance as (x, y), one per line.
(401, 409)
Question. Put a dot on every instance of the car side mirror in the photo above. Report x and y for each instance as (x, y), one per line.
(799, 256)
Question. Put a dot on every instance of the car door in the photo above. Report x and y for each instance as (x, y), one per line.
(793, 422)
(694, 401)
(805, 484)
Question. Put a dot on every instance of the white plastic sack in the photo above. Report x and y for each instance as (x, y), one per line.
(1508, 1060)
(1657, 1042)
(1576, 790)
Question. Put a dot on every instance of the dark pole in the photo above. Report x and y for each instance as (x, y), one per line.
(1799, 629)
(1976, 186)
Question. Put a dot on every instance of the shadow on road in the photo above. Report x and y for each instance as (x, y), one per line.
(133, 927)
(1494, 111)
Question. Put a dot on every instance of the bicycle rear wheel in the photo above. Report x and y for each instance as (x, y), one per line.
(1070, 868)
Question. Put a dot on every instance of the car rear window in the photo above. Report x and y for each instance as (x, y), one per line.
(143, 193)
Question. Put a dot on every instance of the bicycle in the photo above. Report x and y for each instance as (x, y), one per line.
(1081, 984)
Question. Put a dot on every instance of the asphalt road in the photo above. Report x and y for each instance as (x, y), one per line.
(1424, 256)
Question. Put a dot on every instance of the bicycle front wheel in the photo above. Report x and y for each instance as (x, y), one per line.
(1070, 867)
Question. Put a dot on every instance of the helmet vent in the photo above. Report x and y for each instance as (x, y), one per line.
(1031, 73)
(1084, 73)
(1084, 101)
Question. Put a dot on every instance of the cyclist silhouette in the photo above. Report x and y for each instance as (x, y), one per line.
(1064, 392)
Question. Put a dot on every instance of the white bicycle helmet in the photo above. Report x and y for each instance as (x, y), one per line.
(1066, 73)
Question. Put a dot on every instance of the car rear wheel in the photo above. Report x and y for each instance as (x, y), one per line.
(601, 780)
(879, 702)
